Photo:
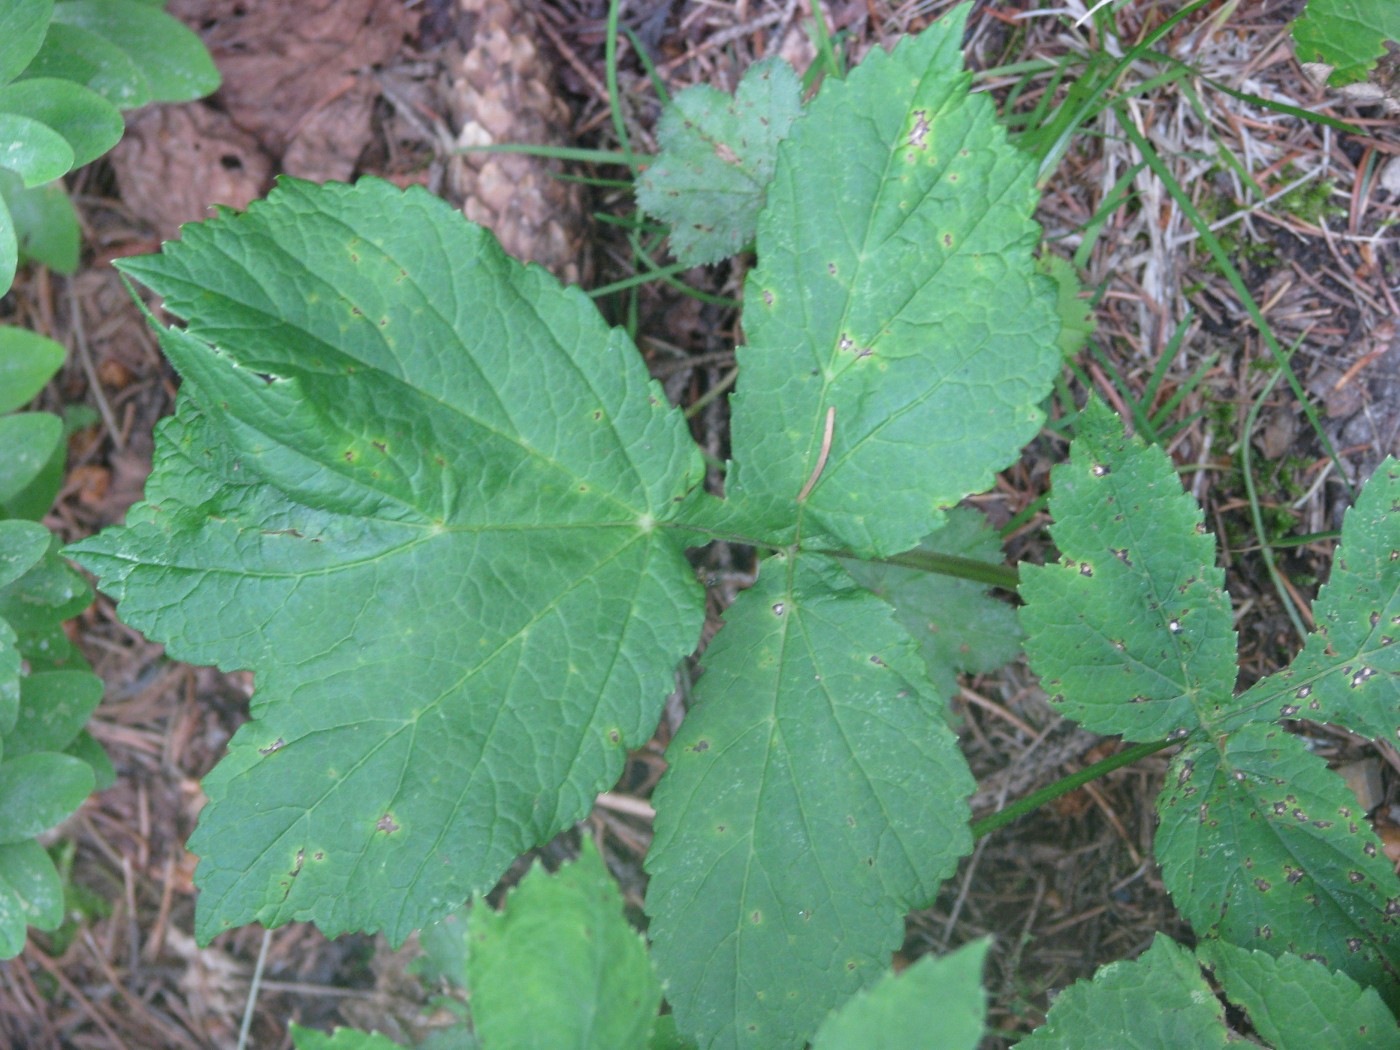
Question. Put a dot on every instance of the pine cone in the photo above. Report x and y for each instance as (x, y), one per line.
(503, 92)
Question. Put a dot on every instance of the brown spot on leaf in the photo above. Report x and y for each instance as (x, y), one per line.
(386, 824)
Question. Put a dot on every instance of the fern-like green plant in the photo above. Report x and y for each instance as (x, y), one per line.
(440, 510)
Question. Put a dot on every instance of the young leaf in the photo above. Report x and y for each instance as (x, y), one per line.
(900, 341)
(1159, 1001)
(815, 794)
(716, 161)
(1131, 631)
(1263, 846)
(1298, 1004)
(936, 1004)
(420, 490)
(559, 966)
(959, 627)
(1347, 34)
(1349, 670)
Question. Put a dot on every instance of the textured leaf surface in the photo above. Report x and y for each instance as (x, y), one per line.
(1298, 1004)
(960, 628)
(936, 1004)
(559, 966)
(1347, 34)
(896, 297)
(1131, 631)
(717, 156)
(1263, 846)
(1159, 1001)
(1349, 670)
(416, 489)
(815, 794)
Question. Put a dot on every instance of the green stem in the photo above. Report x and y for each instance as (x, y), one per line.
(1003, 576)
(1064, 786)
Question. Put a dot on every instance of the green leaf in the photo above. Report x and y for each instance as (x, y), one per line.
(1160, 1001)
(1263, 846)
(53, 707)
(558, 966)
(716, 161)
(444, 945)
(936, 1004)
(27, 362)
(31, 894)
(88, 122)
(1348, 34)
(1298, 1004)
(9, 248)
(30, 439)
(959, 627)
(70, 53)
(422, 492)
(1349, 670)
(45, 222)
(11, 664)
(815, 794)
(1131, 631)
(39, 791)
(22, 544)
(895, 305)
(340, 1039)
(32, 149)
(172, 58)
(85, 747)
(36, 605)
(22, 27)
(1076, 315)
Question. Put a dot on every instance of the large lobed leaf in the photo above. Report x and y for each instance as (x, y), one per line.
(899, 339)
(419, 490)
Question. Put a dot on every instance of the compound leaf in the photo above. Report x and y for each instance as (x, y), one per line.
(936, 1004)
(815, 794)
(1347, 34)
(1159, 1001)
(1131, 631)
(1349, 670)
(900, 341)
(421, 491)
(716, 161)
(1263, 846)
(1298, 1004)
(559, 966)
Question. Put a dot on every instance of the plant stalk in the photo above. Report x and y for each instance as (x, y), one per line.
(1064, 786)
